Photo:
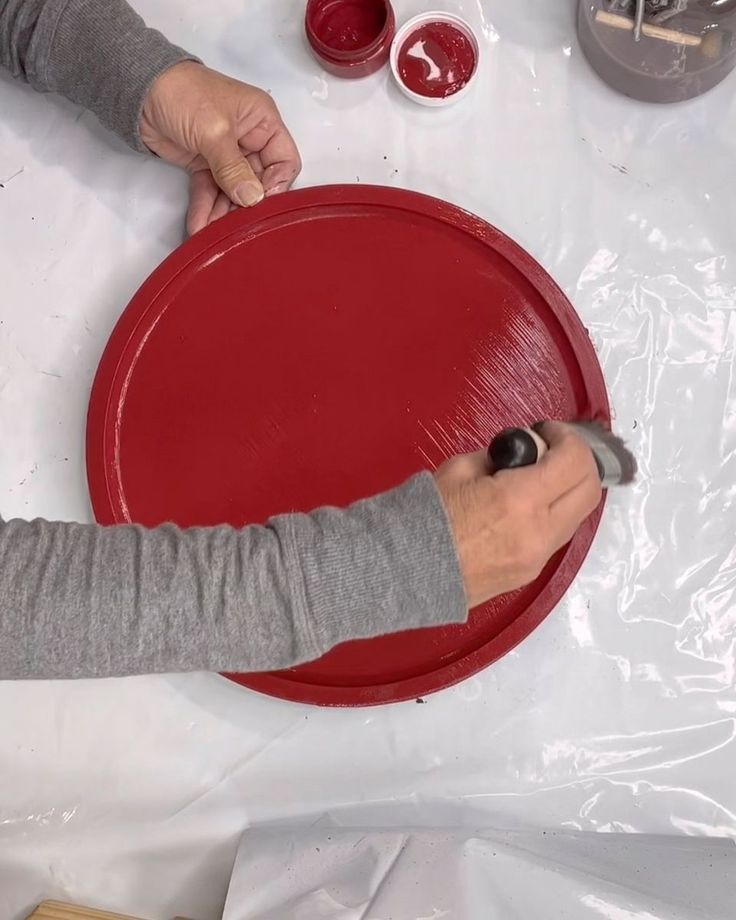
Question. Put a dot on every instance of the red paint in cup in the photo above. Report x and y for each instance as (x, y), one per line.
(351, 38)
(436, 60)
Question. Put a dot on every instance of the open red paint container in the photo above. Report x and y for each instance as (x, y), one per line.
(351, 38)
(434, 58)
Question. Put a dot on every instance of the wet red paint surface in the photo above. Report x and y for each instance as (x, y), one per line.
(347, 25)
(320, 348)
(436, 60)
(350, 38)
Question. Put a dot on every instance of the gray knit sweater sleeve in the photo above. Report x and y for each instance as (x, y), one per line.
(98, 53)
(86, 601)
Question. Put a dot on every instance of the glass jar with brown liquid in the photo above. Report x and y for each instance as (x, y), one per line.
(659, 50)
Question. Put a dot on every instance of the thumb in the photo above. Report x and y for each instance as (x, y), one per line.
(233, 173)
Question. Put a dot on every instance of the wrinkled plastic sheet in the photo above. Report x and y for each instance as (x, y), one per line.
(617, 714)
(364, 873)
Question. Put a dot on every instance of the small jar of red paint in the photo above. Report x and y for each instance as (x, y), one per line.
(351, 38)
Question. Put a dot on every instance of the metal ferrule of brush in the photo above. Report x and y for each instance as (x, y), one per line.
(517, 447)
(607, 453)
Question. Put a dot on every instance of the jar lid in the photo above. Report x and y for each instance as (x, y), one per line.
(434, 58)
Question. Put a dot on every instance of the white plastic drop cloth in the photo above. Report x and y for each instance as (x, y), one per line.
(425, 873)
(618, 713)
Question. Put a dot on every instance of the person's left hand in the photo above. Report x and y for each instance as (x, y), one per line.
(229, 136)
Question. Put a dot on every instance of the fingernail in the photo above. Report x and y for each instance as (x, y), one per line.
(248, 193)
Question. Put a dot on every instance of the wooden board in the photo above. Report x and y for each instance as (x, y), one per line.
(55, 910)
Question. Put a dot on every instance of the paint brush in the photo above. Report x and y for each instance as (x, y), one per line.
(638, 20)
(516, 447)
(710, 43)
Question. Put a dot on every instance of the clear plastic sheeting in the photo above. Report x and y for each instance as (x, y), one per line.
(335, 873)
(618, 713)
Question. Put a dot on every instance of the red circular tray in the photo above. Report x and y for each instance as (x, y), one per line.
(323, 347)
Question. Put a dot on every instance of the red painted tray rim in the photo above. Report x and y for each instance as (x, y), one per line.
(276, 684)
(286, 685)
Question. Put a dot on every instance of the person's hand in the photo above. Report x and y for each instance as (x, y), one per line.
(507, 526)
(229, 135)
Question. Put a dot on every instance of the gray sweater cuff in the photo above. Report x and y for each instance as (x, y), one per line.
(98, 53)
(85, 601)
(393, 557)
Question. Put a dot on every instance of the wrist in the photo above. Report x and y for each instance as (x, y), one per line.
(168, 84)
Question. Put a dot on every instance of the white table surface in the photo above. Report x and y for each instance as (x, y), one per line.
(619, 711)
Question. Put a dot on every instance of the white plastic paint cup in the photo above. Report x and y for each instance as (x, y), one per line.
(416, 26)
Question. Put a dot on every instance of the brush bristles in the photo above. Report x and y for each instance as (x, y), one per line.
(617, 463)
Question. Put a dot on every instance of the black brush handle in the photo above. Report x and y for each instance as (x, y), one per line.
(514, 448)
(517, 447)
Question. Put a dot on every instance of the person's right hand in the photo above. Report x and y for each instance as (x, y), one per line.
(507, 526)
